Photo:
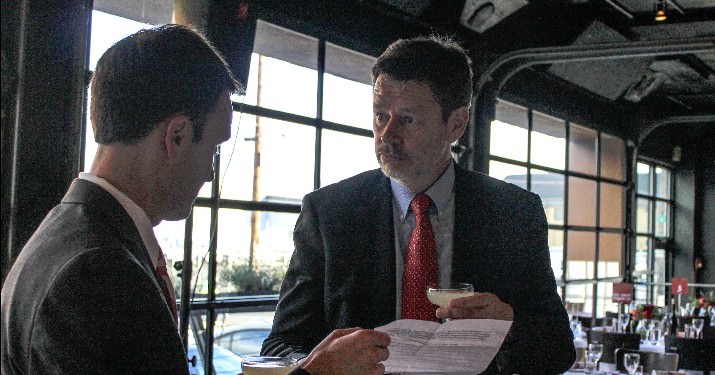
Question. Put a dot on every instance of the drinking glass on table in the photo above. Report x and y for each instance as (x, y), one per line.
(650, 325)
(595, 351)
(631, 362)
(623, 322)
(576, 327)
(441, 296)
(267, 365)
(698, 326)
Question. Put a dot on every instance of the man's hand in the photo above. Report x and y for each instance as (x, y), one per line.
(477, 306)
(351, 351)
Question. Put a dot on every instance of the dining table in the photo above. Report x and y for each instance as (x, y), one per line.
(604, 368)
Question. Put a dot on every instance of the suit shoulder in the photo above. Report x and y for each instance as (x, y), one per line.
(496, 188)
(350, 188)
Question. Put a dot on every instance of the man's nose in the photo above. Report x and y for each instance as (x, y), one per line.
(390, 133)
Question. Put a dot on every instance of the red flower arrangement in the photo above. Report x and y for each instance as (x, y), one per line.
(701, 302)
(647, 311)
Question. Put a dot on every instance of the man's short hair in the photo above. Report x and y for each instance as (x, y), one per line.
(436, 60)
(153, 75)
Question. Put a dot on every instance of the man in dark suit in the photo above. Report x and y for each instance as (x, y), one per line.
(89, 293)
(353, 243)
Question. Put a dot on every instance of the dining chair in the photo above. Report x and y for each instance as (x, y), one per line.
(612, 341)
(649, 360)
(695, 354)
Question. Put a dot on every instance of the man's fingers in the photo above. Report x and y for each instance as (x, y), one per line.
(379, 369)
(478, 306)
(370, 337)
(375, 354)
(478, 300)
(342, 332)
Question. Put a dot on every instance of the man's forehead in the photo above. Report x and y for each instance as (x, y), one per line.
(386, 87)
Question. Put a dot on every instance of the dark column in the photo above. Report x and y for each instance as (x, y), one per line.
(43, 134)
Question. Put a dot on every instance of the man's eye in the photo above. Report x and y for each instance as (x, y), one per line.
(408, 120)
(380, 117)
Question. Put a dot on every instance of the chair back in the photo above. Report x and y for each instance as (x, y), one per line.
(695, 354)
(612, 341)
(709, 332)
(649, 360)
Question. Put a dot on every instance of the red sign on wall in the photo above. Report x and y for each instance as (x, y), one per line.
(622, 292)
(680, 285)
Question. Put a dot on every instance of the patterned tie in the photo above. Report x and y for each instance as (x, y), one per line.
(420, 264)
(166, 286)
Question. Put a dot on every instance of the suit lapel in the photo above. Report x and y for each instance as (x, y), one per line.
(470, 243)
(375, 216)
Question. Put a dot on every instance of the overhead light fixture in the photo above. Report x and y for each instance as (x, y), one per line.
(661, 9)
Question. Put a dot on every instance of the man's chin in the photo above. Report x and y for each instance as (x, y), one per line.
(178, 214)
(392, 172)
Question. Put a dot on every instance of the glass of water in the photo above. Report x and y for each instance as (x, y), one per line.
(595, 351)
(698, 326)
(631, 362)
(623, 321)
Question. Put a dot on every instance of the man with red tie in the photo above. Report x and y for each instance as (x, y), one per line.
(367, 247)
(89, 293)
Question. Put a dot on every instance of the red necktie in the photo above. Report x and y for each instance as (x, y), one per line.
(166, 286)
(420, 264)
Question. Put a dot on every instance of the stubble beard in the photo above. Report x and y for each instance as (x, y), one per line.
(388, 168)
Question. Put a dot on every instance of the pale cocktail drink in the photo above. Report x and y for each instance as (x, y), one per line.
(441, 296)
(267, 365)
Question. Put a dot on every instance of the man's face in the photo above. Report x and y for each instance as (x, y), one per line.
(412, 141)
(194, 166)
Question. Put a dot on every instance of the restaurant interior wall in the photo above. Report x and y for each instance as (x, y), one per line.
(694, 173)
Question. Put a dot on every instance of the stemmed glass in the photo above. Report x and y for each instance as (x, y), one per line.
(576, 327)
(594, 355)
(650, 326)
(441, 296)
(698, 326)
(631, 362)
(623, 322)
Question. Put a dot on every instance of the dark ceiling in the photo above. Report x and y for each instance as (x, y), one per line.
(667, 87)
(656, 88)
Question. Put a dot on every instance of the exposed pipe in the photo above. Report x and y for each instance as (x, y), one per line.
(498, 73)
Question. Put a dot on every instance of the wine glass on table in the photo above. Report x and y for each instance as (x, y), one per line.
(595, 351)
(623, 321)
(441, 296)
(650, 325)
(698, 326)
(631, 362)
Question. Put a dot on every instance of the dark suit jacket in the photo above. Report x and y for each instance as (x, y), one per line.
(342, 273)
(83, 296)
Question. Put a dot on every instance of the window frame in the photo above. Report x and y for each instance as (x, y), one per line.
(563, 283)
(654, 241)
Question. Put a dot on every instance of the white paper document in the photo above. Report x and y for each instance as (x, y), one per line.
(462, 345)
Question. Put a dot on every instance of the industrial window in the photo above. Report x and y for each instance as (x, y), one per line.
(580, 175)
(654, 231)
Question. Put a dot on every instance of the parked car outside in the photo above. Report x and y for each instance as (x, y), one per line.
(244, 340)
(225, 362)
(230, 346)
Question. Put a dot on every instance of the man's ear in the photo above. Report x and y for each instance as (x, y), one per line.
(457, 123)
(179, 131)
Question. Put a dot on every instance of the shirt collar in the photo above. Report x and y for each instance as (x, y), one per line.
(139, 217)
(440, 192)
